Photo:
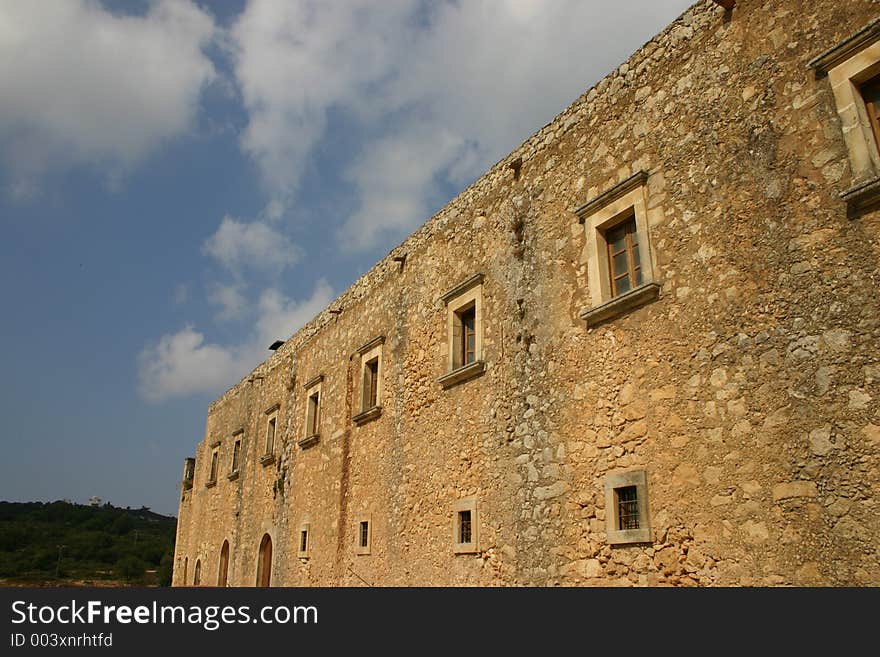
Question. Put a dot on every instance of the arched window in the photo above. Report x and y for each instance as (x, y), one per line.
(224, 564)
(197, 574)
(185, 565)
(264, 563)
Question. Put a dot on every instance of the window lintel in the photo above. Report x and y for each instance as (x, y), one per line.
(638, 179)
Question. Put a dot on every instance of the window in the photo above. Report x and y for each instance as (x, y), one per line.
(264, 561)
(626, 507)
(223, 569)
(371, 381)
(189, 471)
(624, 269)
(271, 433)
(215, 461)
(363, 536)
(197, 573)
(464, 322)
(870, 92)
(465, 526)
(313, 412)
(853, 69)
(235, 465)
(619, 260)
(304, 545)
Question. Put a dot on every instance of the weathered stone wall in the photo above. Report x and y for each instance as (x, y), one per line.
(747, 391)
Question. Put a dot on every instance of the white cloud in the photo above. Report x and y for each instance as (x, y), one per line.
(230, 298)
(238, 245)
(471, 79)
(182, 363)
(82, 85)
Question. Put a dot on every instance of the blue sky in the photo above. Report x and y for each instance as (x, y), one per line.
(181, 183)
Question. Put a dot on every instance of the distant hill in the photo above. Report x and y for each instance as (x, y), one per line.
(96, 544)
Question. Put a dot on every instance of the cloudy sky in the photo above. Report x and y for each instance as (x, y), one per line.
(182, 183)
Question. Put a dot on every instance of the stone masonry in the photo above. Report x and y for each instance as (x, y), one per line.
(743, 382)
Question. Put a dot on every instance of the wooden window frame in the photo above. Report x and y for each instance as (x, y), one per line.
(630, 248)
(359, 547)
(463, 363)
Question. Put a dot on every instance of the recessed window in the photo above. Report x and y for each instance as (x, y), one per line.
(214, 458)
(215, 462)
(363, 537)
(270, 436)
(197, 573)
(618, 254)
(223, 568)
(304, 544)
(624, 268)
(464, 322)
(371, 381)
(626, 507)
(235, 464)
(853, 68)
(189, 472)
(313, 412)
(465, 526)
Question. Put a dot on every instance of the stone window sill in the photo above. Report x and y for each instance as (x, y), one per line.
(232, 476)
(465, 548)
(308, 441)
(462, 374)
(629, 536)
(210, 483)
(266, 459)
(367, 415)
(862, 195)
(621, 305)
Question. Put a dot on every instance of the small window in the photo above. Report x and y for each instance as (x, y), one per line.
(363, 535)
(313, 412)
(215, 457)
(465, 526)
(371, 381)
(467, 337)
(271, 435)
(189, 472)
(626, 507)
(304, 544)
(464, 321)
(236, 455)
(197, 573)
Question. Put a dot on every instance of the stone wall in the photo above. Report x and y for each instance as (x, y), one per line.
(747, 391)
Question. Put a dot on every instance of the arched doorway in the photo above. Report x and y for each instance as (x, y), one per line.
(264, 562)
(224, 564)
(197, 573)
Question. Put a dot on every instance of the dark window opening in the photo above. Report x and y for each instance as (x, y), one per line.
(314, 409)
(364, 533)
(236, 455)
(625, 270)
(627, 507)
(214, 458)
(870, 91)
(270, 436)
(371, 384)
(464, 526)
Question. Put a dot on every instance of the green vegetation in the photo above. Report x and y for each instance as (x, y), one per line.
(59, 542)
